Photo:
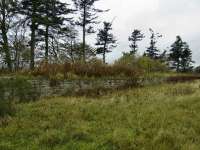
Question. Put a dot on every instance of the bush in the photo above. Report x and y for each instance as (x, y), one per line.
(150, 65)
(95, 68)
(128, 60)
(55, 80)
(24, 90)
(6, 108)
(45, 69)
(12, 90)
(18, 88)
(145, 64)
(2, 90)
(92, 69)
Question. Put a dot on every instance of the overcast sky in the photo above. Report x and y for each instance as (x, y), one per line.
(168, 17)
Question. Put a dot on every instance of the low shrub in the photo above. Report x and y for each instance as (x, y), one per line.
(55, 80)
(24, 90)
(92, 69)
(45, 69)
(6, 108)
(150, 65)
(18, 89)
(2, 90)
(146, 64)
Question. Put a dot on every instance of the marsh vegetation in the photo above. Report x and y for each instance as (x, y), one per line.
(159, 117)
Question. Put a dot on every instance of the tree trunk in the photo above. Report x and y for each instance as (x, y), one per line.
(47, 44)
(7, 50)
(16, 55)
(104, 49)
(54, 49)
(134, 48)
(178, 65)
(5, 38)
(32, 54)
(104, 57)
(84, 34)
(104, 52)
(71, 51)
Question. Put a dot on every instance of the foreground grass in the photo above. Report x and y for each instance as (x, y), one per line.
(153, 118)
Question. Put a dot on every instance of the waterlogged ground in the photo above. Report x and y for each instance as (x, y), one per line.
(163, 117)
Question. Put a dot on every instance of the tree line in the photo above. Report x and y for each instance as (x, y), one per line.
(49, 30)
(179, 56)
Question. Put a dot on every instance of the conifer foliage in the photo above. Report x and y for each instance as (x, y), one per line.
(7, 12)
(31, 10)
(135, 37)
(152, 50)
(54, 16)
(87, 18)
(105, 40)
(181, 55)
(55, 31)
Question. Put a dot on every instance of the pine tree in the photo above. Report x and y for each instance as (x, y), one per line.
(180, 55)
(69, 44)
(105, 40)
(18, 43)
(152, 50)
(176, 52)
(90, 52)
(31, 10)
(7, 11)
(88, 17)
(186, 58)
(53, 18)
(135, 37)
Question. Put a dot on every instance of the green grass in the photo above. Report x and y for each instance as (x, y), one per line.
(164, 117)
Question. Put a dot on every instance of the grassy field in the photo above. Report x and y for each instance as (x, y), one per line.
(161, 117)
